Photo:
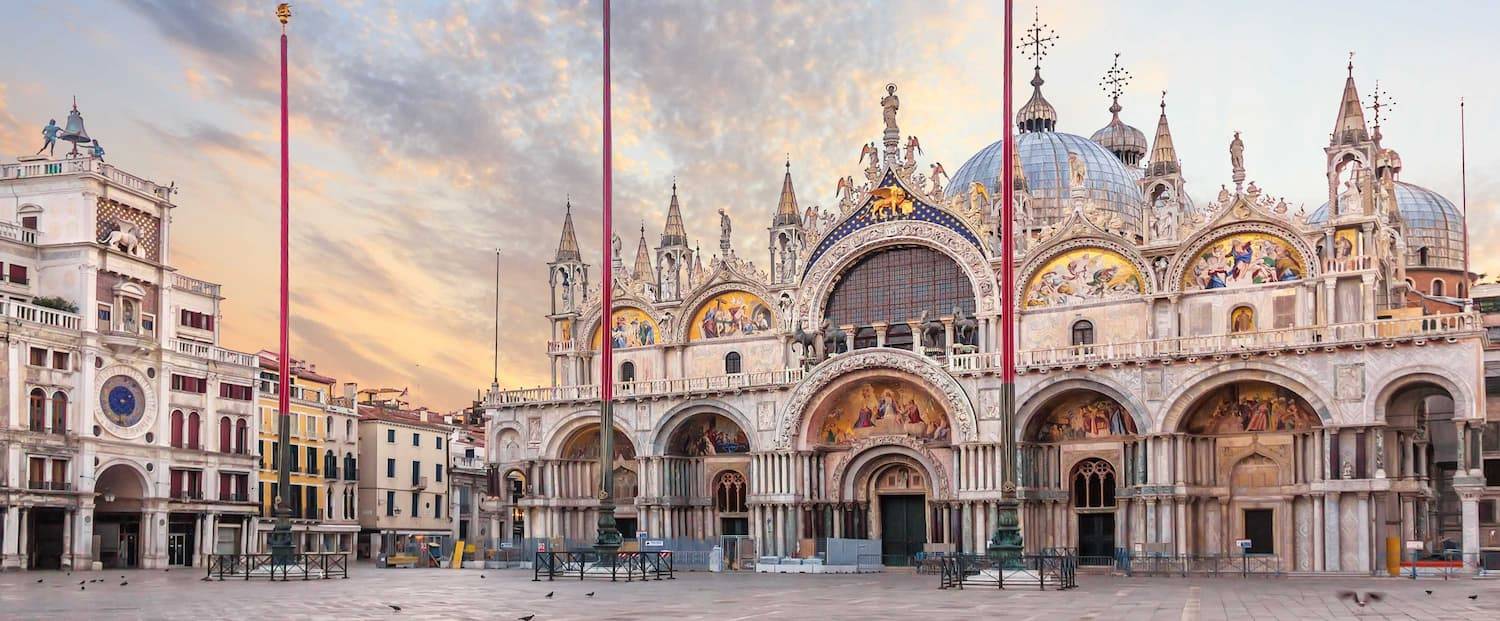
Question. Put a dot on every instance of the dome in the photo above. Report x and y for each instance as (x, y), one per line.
(1431, 222)
(1044, 159)
(1126, 142)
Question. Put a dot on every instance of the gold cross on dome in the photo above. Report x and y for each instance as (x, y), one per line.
(1114, 81)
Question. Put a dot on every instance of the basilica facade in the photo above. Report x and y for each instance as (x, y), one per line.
(1190, 375)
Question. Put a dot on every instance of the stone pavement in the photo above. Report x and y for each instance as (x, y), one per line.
(509, 594)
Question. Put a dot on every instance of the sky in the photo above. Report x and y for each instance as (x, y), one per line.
(427, 134)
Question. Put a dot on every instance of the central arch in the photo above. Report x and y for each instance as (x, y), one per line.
(825, 272)
(892, 365)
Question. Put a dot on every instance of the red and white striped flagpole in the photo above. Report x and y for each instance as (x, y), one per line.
(608, 538)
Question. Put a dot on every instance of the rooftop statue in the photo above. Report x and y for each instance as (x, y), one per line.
(96, 150)
(49, 137)
(890, 103)
(1237, 153)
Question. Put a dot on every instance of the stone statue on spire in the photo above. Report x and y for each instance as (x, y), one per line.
(1237, 160)
(890, 104)
(724, 230)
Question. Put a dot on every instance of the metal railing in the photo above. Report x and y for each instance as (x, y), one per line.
(1213, 565)
(304, 565)
(50, 486)
(582, 564)
(1059, 571)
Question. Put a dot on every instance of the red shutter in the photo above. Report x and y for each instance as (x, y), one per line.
(193, 429)
(208, 323)
(224, 433)
(176, 430)
(176, 483)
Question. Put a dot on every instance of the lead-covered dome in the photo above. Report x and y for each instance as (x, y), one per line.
(1434, 227)
(1044, 161)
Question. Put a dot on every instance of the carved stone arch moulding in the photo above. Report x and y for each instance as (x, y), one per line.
(1046, 254)
(682, 323)
(860, 453)
(819, 281)
(1211, 235)
(960, 412)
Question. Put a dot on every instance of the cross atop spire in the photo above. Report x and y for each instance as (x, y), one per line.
(1113, 84)
(1380, 103)
(1037, 114)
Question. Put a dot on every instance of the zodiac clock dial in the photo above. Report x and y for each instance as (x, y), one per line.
(122, 400)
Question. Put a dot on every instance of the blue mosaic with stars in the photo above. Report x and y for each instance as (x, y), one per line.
(863, 217)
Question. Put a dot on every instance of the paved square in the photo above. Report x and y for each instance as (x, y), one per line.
(509, 594)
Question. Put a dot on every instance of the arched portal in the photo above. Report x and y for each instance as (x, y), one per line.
(1081, 443)
(576, 475)
(1420, 441)
(122, 494)
(1253, 440)
(897, 490)
(699, 485)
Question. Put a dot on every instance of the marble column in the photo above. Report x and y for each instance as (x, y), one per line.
(1331, 532)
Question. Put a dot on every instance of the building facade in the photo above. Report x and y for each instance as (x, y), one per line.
(403, 479)
(473, 506)
(324, 469)
(1189, 375)
(127, 429)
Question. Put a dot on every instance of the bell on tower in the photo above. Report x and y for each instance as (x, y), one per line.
(787, 235)
(74, 132)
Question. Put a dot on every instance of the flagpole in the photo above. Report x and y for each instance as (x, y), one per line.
(609, 538)
(1007, 535)
(281, 535)
(1463, 173)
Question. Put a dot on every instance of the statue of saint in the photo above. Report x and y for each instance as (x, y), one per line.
(49, 137)
(724, 227)
(1077, 170)
(890, 103)
(615, 244)
(1237, 153)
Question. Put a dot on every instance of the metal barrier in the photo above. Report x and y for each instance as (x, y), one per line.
(304, 565)
(1214, 565)
(593, 564)
(1059, 571)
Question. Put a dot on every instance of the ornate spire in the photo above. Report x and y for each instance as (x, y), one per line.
(1037, 114)
(1163, 154)
(1126, 142)
(786, 210)
(643, 271)
(567, 247)
(674, 234)
(1350, 126)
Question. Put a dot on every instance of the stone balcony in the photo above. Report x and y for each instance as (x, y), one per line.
(212, 353)
(32, 313)
(1299, 340)
(84, 166)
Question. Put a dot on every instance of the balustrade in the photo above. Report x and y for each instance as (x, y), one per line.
(40, 314)
(212, 352)
(1332, 335)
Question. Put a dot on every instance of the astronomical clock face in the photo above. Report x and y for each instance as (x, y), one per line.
(126, 407)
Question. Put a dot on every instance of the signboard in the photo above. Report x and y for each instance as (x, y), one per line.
(641, 534)
(655, 543)
(541, 547)
(507, 544)
(1415, 545)
(1244, 544)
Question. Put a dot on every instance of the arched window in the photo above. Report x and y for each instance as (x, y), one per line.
(59, 412)
(732, 363)
(349, 429)
(1083, 332)
(331, 469)
(349, 467)
(627, 371)
(241, 436)
(177, 428)
(897, 285)
(1093, 484)
(1241, 319)
(1438, 287)
(226, 432)
(193, 429)
(1422, 255)
(328, 504)
(37, 408)
(729, 492)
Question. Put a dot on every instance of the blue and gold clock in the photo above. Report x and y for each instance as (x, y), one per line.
(123, 403)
